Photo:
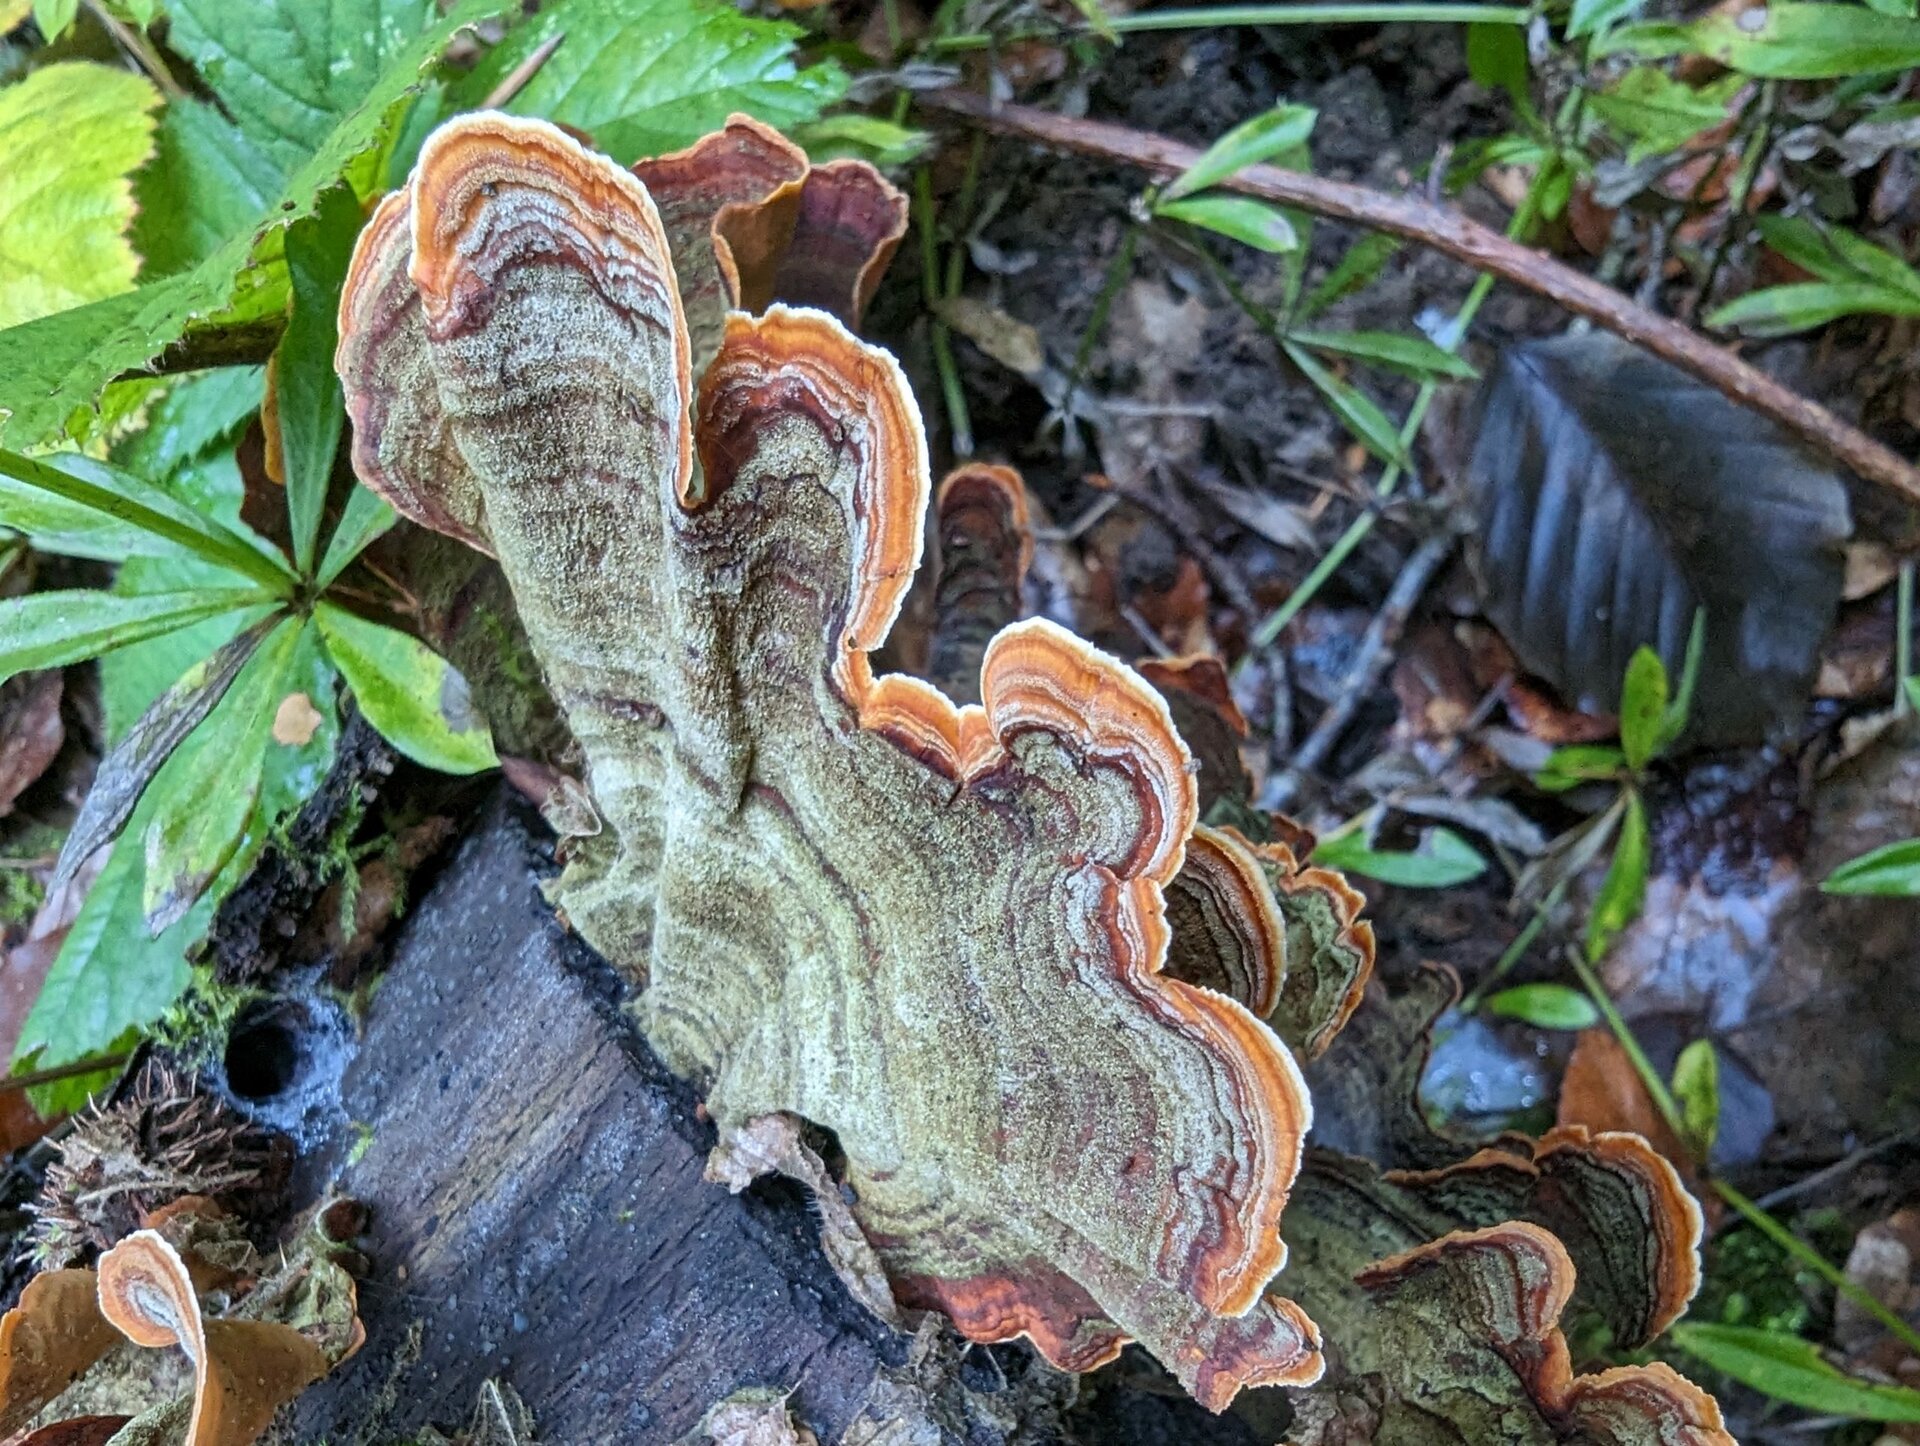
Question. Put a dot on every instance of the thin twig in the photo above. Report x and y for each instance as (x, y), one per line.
(1838, 1170)
(516, 79)
(37, 1077)
(1375, 652)
(1447, 230)
(136, 44)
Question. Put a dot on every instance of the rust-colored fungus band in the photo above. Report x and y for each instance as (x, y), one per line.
(495, 189)
(1517, 1279)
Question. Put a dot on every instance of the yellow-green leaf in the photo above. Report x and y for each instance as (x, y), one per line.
(70, 137)
(417, 699)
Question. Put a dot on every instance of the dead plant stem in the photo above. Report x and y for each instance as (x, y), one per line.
(1375, 652)
(1448, 230)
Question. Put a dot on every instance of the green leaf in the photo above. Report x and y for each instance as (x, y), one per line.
(54, 16)
(1238, 218)
(288, 70)
(1658, 113)
(1354, 271)
(365, 517)
(206, 793)
(206, 182)
(1681, 708)
(645, 77)
(1573, 764)
(1696, 1089)
(1833, 253)
(125, 772)
(861, 138)
(1785, 40)
(52, 367)
(1625, 885)
(1359, 412)
(115, 496)
(417, 700)
(70, 135)
(1591, 17)
(1891, 871)
(1413, 356)
(309, 406)
(1790, 1369)
(110, 976)
(1802, 305)
(1443, 859)
(1643, 707)
(52, 629)
(1546, 1006)
(1284, 128)
(1497, 59)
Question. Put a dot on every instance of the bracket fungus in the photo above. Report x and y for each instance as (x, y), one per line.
(256, 1332)
(937, 931)
(1442, 1285)
(243, 1370)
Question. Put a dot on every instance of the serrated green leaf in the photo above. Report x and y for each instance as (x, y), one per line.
(52, 629)
(1546, 1006)
(70, 136)
(1890, 871)
(109, 495)
(205, 795)
(1239, 218)
(1412, 356)
(1696, 1089)
(417, 699)
(206, 181)
(191, 417)
(1643, 707)
(52, 367)
(1658, 113)
(1573, 764)
(1790, 1369)
(288, 70)
(110, 975)
(1625, 886)
(310, 409)
(1442, 860)
(1784, 40)
(1359, 412)
(365, 517)
(1270, 134)
(644, 77)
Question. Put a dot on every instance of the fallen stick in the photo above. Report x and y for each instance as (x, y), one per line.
(1446, 230)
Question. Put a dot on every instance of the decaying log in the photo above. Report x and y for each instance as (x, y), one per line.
(538, 1208)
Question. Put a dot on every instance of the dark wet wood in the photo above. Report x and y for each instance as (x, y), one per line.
(539, 1212)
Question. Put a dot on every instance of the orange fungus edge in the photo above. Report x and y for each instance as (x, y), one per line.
(468, 162)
